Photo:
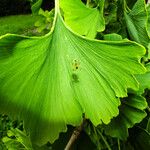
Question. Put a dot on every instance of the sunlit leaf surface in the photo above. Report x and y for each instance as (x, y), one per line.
(82, 19)
(51, 81)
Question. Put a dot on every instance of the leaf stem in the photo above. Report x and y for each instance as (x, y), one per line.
(106, 143)
(98, 144)
(148, 123)
(88, 3)
(74, 136)
(56, 6)
(118, 141)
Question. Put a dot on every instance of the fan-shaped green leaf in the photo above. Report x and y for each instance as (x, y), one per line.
(131, 112)
(51, 81)
(82, 19)
(136, 20)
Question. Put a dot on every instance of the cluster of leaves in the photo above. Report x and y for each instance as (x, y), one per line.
(93, 65)
(45, 23)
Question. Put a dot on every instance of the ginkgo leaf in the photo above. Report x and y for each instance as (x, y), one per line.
(16, 140)
(51, 81)
(144, 80)
(136, 20)
(82, 19)
(130, 3)
(131, 112)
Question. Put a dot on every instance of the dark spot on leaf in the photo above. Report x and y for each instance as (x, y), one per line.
(75, 77)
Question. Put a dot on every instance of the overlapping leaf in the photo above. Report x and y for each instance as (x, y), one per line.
(82, 19)
(144, 80)
(112, 37)
(131, 112)
(51, 81)
(141, 139)
(136, 20)
(21, 140)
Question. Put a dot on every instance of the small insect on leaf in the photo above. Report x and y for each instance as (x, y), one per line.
(75, 67)
(75, 64)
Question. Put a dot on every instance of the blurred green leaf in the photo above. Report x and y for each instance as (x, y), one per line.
(46, 20)
(136, 21)
(131, 112)
(148, 9)
(140, 139)
(144, 80)
(36, 5)
(17, 140)
(112, 37)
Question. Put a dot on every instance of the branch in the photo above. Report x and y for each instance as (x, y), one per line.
(74, 136)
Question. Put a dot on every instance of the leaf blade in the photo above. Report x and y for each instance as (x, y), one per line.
(40, 83)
